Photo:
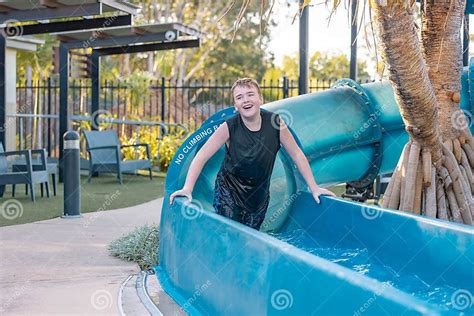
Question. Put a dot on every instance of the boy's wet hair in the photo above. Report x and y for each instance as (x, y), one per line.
(245, 82)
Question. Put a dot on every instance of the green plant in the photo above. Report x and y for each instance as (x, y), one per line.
(146, 135)
(161, 147)
(140, 246)
(168, 147)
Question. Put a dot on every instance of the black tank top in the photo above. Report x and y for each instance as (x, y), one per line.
(249, 160)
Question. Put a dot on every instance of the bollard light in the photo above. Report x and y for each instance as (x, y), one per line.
(72, 181)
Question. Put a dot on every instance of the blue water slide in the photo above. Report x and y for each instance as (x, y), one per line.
(334, 258)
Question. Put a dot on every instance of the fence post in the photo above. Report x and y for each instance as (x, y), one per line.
(163, 99)
(137, 140)
(49, 118)
(285, 87)
(22, 134)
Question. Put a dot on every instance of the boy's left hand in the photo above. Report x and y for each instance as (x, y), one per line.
(321, 191)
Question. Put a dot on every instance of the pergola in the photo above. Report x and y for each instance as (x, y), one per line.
(115, 41)
(13, 13)
(106, 35)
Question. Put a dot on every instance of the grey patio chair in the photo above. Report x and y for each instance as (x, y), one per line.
(19, 165)
(52, 168)
(29, 176)
(105, 155)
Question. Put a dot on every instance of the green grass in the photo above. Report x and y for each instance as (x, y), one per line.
(103, 193)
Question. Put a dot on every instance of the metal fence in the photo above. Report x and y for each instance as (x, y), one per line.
(163, 101)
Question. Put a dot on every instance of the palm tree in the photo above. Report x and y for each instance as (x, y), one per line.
(434, 175)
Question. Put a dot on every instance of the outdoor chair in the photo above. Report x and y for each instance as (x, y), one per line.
(105, 155)
(29, 176)
(52, 168)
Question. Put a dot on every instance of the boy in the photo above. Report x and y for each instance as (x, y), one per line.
(252, 138)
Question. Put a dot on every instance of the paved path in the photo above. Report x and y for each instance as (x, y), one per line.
(63, 266)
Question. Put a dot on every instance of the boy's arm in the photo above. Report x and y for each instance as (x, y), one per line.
(298, 157)
(212, 145)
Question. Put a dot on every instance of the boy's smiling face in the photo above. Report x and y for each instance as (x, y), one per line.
(247, 100)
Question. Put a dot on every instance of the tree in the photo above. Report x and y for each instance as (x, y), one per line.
(40, 61)
(323, 66)
(242, 57)
(328, 67)
(221, 56)
(290, 67)
(247, 53)
(434, 175)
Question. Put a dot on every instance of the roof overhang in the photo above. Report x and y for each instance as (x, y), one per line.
(26, 43)
(34, 10)
(127, 36)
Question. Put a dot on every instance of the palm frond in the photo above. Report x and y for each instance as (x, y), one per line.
(240, 16)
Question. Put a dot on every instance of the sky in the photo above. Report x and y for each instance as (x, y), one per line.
(333, 37)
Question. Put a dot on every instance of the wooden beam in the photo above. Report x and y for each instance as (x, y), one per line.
(65, 38)
(139, 31)
(5, 8)
(100, 34)
(50, 3)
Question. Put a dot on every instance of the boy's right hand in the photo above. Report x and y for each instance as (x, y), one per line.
(183, 192)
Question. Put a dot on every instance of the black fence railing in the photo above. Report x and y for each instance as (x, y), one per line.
(160, 100)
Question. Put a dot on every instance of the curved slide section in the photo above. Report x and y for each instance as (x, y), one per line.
(316, 256)
(348, 133)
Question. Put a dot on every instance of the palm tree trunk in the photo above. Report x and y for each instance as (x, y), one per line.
(398, 40)
(441, 39)
(441, 43)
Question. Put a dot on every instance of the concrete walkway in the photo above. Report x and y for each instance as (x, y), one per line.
(63, 266)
